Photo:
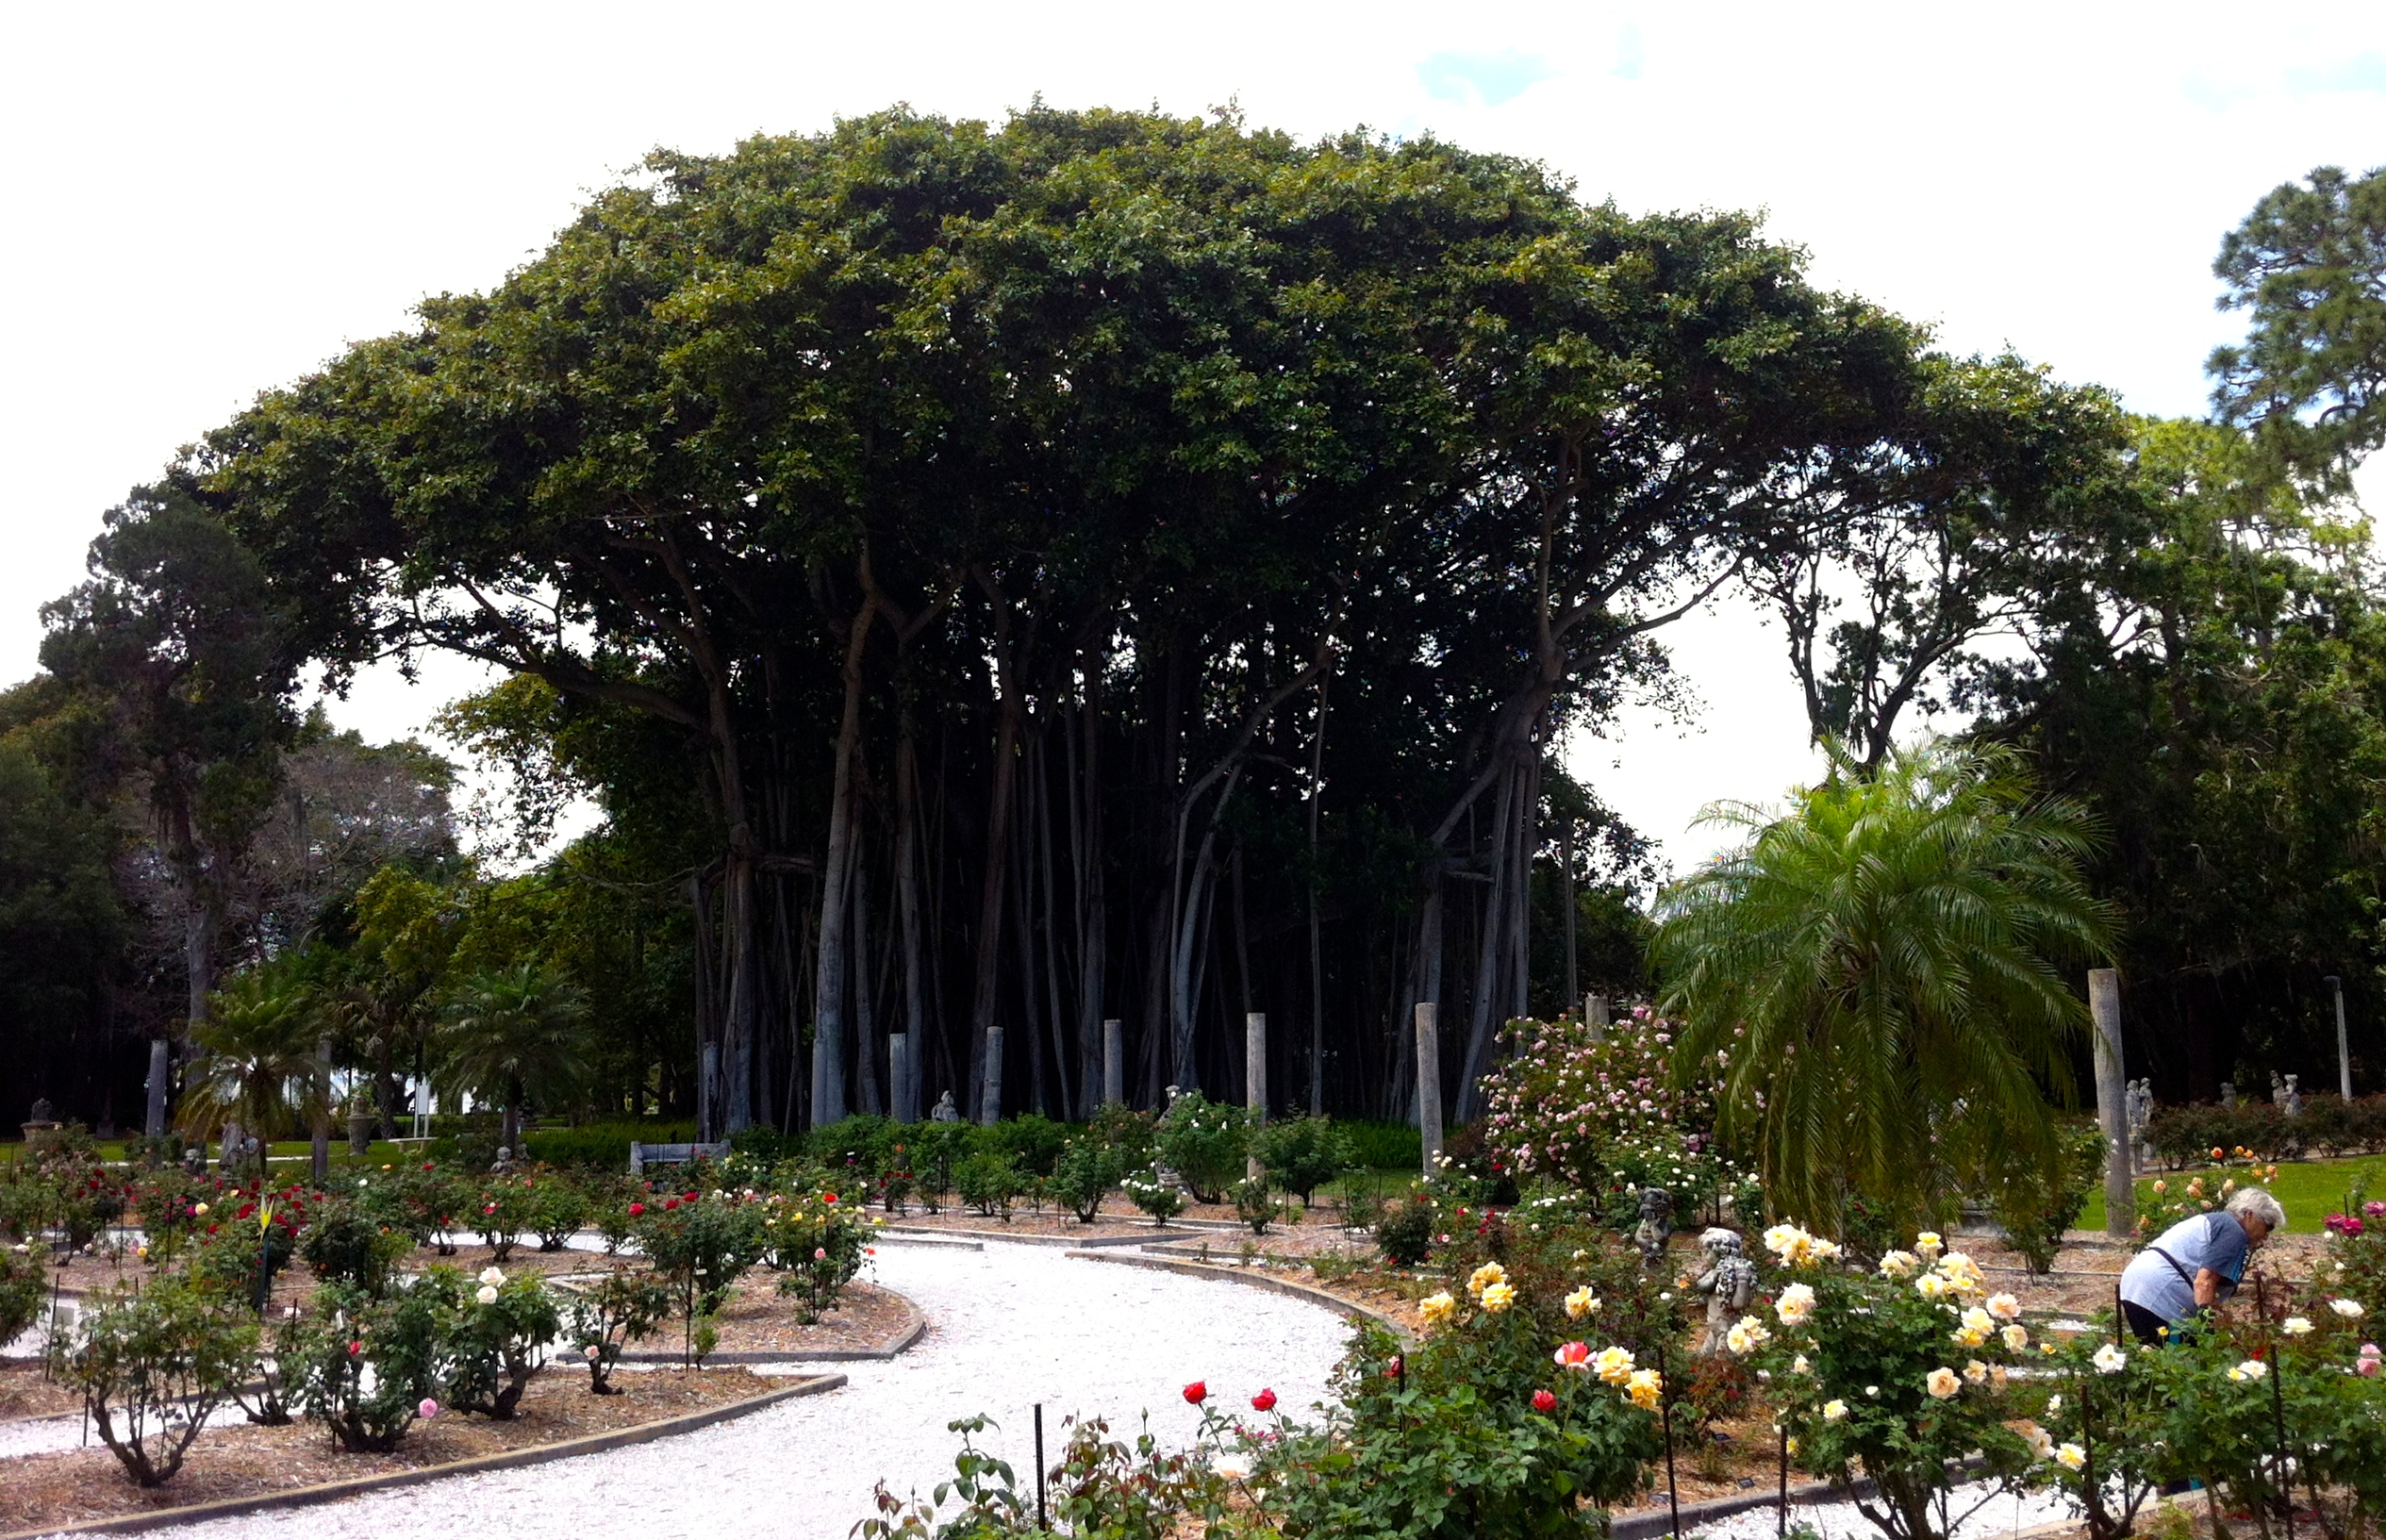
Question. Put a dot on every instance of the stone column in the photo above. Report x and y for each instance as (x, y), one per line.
(991, 1104)
(1429, 1081)
(1595, 1014)
(321, 1165)
(1255, 1078)
(899, 1082)
(2113, 1102)
(1114, 1063)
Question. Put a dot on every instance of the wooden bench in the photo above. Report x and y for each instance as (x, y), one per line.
(643, 1156)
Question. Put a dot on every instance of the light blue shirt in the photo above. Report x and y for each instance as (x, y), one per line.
(2208, 1240)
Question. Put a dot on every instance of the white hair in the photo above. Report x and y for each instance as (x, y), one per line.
(2256, 1204)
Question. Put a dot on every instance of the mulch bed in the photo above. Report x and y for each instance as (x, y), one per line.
(758, 1318)
(26, 1392)
(234, 1459)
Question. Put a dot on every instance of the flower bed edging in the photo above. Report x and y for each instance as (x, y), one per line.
(306, 1497)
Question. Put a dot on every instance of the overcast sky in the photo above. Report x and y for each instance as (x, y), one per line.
(211, 199)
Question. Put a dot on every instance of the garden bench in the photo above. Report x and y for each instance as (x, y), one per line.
(643, 1156)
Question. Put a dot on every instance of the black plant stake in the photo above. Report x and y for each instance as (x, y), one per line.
(1041, 1522)
(2279, 1410)
(1782, 1527)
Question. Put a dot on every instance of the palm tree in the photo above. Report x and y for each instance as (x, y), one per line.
(259, 1037)
(1882, 969)
(516, 1035)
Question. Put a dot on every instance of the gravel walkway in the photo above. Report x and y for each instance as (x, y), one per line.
(1998, 1518)
(1009, 1326)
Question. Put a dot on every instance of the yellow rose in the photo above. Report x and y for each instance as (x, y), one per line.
(1436, 1308)
(1497, 1297)
(1942, 1383)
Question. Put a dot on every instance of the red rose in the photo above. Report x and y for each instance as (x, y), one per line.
(356, 1350)
(1393, 1368)
(1197, 1393)
(687, 1198)
(1264, 1401)
(828, 1198)
(669, 1203)
(636, 1209)
(1544, 1402)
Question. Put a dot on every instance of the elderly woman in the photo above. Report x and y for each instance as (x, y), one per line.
(2195, 1264)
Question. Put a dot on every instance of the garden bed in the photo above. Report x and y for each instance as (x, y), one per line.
(235, 1461)
(25, 1392)
(868, 1323)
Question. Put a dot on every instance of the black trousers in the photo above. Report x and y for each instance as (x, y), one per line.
(2151, 1328)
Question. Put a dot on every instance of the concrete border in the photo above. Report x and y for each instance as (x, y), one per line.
(307, 1497)
(1251, 1278)
(902, 1343)
(1013, 1238)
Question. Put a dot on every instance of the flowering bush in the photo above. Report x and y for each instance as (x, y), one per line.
(161, 1359)
(1205, 1142)
(1898, 1370)
(2170, 1199)
(2098, 1436)
(365, 1367)
(343, 1241)
(1491, 1426)
(557, 1209)
(622, 1308)
(495, 1337)
(2356, 1264)
(21, 1289)
(1563, 1097)
(1301, 1155)
(818, 1244)
(1085, 1174)
(1147, 1191)
(701, 1245)
(506, 1207)
(987, 1183)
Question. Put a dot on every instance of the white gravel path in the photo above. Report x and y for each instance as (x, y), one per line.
(1009, 1326)
(2001, 1515)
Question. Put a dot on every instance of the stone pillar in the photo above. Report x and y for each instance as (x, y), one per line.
(2344, 1049)
(900, 1094)
(990, 1104)
(1595, 1014)
(1255, 1078)
(2113, 1102)
(707, 1088)
(321, 1165)
(1114, 1063)
(1429, 1081)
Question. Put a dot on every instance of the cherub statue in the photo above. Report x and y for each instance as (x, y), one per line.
(1729, 1283)
(1656, 1225)
(503, 1164)
(944, 1111)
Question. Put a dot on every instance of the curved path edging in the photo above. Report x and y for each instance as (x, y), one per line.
(1348, 1309)
(307, 1497)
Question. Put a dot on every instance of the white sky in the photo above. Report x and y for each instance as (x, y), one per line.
(211, 199)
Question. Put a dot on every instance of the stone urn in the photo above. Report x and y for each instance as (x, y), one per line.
(359, 1133)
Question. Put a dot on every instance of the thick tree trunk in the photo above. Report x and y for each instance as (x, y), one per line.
(828, 996)
(1491, 982)
(1055, 1014)
(907, 903)
(986, 1000)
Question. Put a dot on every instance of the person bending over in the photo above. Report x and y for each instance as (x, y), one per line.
(2195, 1265)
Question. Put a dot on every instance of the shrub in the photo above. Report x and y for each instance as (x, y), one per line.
(1570, 1090)
(1205, 1142)
(422, 1198)
(622, 1308)
(1031, 1142)
(161, 1359)
(1124, 1132)
(507, 1206)
(1404, 1234)
(558, 1210)
(495, 1337)
(239, 1256)
(937, 1148)
(1148, 1192)
(600, 1147)
(1255, 1204)
(2034, 1203)
(700, 1247)
(344, 1243)
(986, 1182)
(1085, 1174)
(1301, 1155)
(854, 1144)
(22, 1291)
(166, 1204)
(1868, 1375)
(1456, 1443)
(1385, 1147)
(364, 1367)
(817, 1242)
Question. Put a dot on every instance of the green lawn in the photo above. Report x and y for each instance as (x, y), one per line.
(2311, 1189)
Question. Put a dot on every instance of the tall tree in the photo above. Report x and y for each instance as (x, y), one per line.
(177, 634)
